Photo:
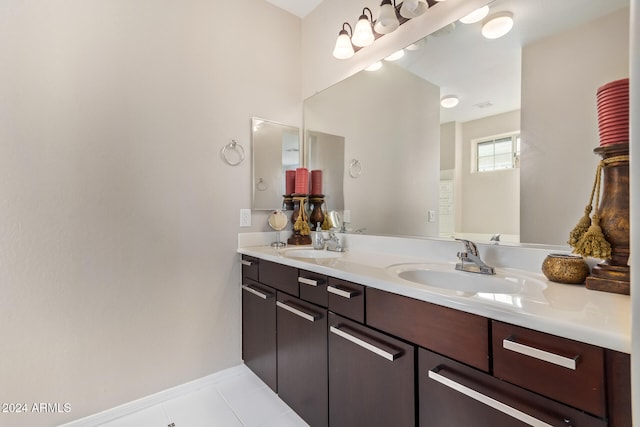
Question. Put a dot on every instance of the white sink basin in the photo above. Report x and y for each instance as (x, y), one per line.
(444, 276)
(311, 254)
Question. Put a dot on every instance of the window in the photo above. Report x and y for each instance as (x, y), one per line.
(497, 153)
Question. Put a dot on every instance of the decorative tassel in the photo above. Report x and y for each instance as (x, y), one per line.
(593, 243)
(580, 228)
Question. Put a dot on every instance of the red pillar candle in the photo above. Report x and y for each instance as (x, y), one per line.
(302, 181)
(316, 182)
(290, 181)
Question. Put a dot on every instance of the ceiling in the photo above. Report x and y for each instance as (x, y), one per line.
(300, 8)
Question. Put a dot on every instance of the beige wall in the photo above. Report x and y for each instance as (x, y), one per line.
(394, 175)
(559, 125)
(118, 218)
(490, 200)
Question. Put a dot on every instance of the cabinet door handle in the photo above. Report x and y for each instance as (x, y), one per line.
(341, 292)
(389, 355)
(256, 292)
(536, 353)
(311, 317)
(489, 401)
(309, 282)
(245, 262)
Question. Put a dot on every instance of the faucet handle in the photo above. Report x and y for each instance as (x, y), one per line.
(470, 246)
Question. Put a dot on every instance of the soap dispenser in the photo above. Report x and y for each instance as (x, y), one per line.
(318, 240)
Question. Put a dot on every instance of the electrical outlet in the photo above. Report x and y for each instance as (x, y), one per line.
(346, 215)
(432, 216)
(245, 217)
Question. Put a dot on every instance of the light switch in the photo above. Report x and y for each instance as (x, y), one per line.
(245, 217)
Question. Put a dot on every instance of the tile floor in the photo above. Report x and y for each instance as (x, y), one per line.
(237, 398)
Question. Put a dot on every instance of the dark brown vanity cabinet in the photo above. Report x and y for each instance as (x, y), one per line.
(302, 358)
(453, 394)
(259, 330)
(371, 377)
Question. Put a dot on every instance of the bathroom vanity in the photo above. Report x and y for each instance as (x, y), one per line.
(345, 340)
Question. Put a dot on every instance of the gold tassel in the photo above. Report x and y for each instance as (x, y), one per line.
(593, 243)
(583, 225)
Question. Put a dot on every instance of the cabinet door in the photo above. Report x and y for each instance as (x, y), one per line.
(453, 394)
(371, 377)
(259, 330)
(302, 358)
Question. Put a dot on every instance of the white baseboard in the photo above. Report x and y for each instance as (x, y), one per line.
(103, 417)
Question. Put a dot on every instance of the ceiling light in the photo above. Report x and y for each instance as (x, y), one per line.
(412, 8)
(343, 48)
(395, 55)
(374, 67)
(498, 25)
(387, 20)
(449, 101)
(363, 33)
(475, 16)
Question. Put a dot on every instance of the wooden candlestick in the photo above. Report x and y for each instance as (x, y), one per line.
(614, 274)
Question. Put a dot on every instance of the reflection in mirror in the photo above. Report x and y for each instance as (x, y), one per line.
(275, 148)
(538, 82)
(326, 152)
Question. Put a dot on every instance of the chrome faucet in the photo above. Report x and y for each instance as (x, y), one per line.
(333, 243)
(470, 260)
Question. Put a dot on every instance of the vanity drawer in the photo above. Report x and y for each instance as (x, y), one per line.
(279, 276)
(452, 333)
(566, 370)
(249, 267)
(313, 287)
(346, 299)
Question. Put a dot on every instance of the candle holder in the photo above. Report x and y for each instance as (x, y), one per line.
(317, 216)
(287, 203)
(301, 230)
(614, 274)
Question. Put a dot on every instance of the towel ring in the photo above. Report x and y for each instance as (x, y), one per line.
(261, 185)
(355, 168)
(229, 149)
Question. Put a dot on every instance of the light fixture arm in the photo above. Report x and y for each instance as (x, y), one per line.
(364, 15)
(350, 32)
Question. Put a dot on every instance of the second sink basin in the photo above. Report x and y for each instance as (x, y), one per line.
(445, 276)
(311, 254)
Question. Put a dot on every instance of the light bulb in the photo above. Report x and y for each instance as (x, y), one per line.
(343, 48)
(395, 55)
(413, 8)
(449, 101)
(363, 34)
(475, 16)
(387, 20)
(498, 25)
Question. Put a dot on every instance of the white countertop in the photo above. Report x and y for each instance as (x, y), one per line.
(570, 311)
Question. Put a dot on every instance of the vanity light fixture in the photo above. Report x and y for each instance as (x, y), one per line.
(395, 55)
(374, 67)
(497, 25)
(475, 16)
(363, 32)
(412, 8)
(343, 48)
(387, 21)
(449, 101)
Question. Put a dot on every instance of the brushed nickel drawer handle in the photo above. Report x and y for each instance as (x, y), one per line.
(245, 262)
(311, 317)
(486, 400)
(256, 292)
(362, 343)
(342, 293)
(310, 282)
(536, 353)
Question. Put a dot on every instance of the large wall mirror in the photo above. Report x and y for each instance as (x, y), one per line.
(275, 148)
(535, 87)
